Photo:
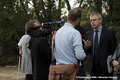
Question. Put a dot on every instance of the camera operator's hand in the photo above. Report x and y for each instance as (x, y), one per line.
(41, 28)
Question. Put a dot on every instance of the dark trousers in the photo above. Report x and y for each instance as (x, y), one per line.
(118, 76)
(81, 73)
(97, 73)
(29, 77)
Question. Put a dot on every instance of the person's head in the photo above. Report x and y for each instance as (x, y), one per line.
(75, 16)
(96, 20)
(29, 24)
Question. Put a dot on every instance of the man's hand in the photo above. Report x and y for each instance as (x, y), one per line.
(87, 43)
(115, 64)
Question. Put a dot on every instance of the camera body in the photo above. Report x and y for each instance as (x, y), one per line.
(48, 27)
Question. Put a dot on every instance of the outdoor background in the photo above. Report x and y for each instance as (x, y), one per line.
(15, 13)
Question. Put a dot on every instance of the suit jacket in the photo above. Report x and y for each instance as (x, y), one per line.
(107, 46)
(116, 55)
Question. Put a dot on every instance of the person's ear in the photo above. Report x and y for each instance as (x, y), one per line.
(100, 20)
(78, 20)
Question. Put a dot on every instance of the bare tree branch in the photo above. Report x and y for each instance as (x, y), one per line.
(43, 8)
(36, 10)
(68, 4)
(59, 10)
(30, 4)
(23, 6)
(81, 3)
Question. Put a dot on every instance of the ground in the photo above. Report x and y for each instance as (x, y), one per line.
(10, 73)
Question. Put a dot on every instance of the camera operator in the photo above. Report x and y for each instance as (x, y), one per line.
(40, 52)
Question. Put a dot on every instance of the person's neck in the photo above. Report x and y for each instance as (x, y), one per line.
(98, 26)
(71, 23)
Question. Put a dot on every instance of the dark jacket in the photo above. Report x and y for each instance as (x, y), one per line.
(107, 46)
(41, 56)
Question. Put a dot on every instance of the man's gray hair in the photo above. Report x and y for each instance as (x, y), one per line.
(97, 14)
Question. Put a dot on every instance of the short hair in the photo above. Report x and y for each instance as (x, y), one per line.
(74, 14)
(97, 14)
(28, 25)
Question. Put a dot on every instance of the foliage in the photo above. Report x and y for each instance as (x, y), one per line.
(15, 13)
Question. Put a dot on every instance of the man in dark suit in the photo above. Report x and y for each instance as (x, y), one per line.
(100, 42)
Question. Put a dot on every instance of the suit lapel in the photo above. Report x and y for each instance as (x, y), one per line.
(92, 37)
(102, 36)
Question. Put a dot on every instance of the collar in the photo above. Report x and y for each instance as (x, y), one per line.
(68, 24)
(100, 29)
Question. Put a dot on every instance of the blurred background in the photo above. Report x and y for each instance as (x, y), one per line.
(15, 13)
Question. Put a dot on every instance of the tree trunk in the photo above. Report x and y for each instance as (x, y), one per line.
(68, 5)
(98, 6)
(36, 10)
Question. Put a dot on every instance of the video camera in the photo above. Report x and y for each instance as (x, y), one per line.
(47, 28)
(48, 25)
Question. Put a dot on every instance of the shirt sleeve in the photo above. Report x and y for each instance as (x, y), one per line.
(116, 54)
(78, 47)
(21, 40)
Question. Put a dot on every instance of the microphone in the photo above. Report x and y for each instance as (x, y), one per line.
(52, 23)
(58, 22)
